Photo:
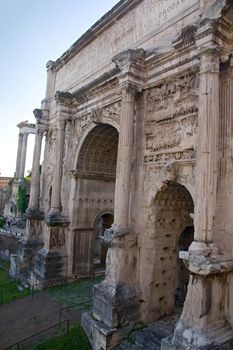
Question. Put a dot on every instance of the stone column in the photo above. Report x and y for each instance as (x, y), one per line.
(116, 299)
(124, 157)
(207, 151)
(20, 140)
(33, 208)
(51, 261)
(203, 323)
(23, 156)
(55, 210)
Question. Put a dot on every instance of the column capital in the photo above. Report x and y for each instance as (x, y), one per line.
(128, 91)
(64, 98)
(126, 59)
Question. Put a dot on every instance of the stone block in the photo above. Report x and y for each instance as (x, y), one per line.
(166, 343)
(117, 305)
(50, 266)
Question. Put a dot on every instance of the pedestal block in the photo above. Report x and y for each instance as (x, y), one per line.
(203, 324)
(117, 305)
(24, 262)
(50, 266)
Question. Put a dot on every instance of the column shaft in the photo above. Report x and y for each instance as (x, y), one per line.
(124, 158)
(20, 140)
(207, 151)
(23, 156)
(56, 187)
(35, 182)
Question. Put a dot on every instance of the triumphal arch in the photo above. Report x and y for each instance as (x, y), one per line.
(138, 127)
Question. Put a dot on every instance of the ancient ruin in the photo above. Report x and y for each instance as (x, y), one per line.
(11, 206)
(137, 119)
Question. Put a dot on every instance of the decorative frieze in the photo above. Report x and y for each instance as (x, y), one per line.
(173, 99)
(97, 115)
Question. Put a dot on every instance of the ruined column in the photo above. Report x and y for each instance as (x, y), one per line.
(203, 324)
(20, 140)
(51, 261)
(116, 299)
(23, 156)
(33, 210)
(124, 156)
(207, 151)
(63, 100)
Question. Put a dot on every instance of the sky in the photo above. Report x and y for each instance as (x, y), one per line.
(32, 32)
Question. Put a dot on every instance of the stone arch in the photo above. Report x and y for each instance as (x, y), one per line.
(87, 132)
(172, 206)
(92, 192)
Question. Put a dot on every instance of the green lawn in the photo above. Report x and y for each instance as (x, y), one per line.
(74, 293)
(8, 288)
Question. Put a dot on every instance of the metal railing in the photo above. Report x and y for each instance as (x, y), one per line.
(17, 344)
(61, 311)
(63, 320)
(10, 233)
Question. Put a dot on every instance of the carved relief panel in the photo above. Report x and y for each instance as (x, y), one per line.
(171, 122)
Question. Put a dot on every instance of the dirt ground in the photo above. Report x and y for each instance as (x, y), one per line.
(24, 317)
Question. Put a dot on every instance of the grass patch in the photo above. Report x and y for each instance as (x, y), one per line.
(8, 288)
(74, 293)
(76, 339)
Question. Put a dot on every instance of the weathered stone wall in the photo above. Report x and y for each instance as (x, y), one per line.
(143, 26)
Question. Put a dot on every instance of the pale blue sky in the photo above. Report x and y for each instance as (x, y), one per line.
(33, 32)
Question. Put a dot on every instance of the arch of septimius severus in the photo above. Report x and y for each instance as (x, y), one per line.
(138, 124)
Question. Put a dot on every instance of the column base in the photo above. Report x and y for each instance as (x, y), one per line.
(24, 262)
(203, 324)
(116, 306)
(50, 267)
(56, 219)
(34, 214)
(215, 339)
(102, 336)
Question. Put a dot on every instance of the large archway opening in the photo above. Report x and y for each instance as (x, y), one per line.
(95, 189)
(174, 232)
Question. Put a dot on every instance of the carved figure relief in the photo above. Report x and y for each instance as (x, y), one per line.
(97, 114)
(173, 99)
(57, 237)
(171, 124)
(34, 227)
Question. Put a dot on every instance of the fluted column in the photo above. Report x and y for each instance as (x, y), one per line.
(23, 156)
(57, 178)
(124, 157)
(20, 140)
(203, 322)
(207, 146)
(35, 181)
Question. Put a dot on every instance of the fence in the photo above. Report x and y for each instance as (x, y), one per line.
(11, 233)
(63, 320)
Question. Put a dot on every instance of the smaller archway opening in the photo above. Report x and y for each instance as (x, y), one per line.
(182, 273)
(174, 233)
(104, 222)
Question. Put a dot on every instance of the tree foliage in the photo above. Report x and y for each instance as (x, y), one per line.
(22, 199)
